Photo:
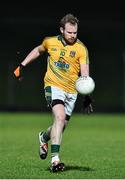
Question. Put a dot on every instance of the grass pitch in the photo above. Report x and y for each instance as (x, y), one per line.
(93, 147)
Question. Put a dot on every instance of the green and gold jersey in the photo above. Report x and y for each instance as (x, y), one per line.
(64, 62)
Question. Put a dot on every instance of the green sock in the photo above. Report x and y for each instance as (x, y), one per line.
(55, 149)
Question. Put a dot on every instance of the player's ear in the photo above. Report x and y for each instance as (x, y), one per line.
(61, 30)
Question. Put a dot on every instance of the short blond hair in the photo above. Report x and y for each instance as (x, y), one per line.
(68, 18)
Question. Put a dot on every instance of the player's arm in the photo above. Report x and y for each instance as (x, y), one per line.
(84, 69)
(34, 54)
(84, 61)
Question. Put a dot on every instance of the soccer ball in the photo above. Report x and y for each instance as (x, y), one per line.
(85, 85)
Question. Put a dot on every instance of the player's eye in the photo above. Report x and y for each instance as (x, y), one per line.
(72, 32)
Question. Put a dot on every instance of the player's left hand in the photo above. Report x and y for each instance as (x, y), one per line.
(18, 72)
(87, 103)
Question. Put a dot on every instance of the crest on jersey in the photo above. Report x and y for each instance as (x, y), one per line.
(72, 53)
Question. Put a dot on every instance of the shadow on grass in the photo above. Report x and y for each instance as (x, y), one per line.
(79, 168)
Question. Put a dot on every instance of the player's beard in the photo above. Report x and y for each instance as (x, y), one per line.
(70, 41)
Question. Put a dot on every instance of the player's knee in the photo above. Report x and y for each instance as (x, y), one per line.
(60, 119)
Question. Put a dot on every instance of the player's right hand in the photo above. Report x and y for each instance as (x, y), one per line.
(18, 72)
(87, 104)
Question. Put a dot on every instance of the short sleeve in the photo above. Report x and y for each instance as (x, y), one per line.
(84, 57)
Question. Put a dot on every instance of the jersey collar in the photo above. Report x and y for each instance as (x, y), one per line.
(60, 38)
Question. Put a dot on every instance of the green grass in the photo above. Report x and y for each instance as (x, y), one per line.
(93, 147)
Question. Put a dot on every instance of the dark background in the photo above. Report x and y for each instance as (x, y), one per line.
(23, 26)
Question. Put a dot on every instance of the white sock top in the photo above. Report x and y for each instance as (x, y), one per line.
(55, 159)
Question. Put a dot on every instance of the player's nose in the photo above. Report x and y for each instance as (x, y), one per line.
(73, 35)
